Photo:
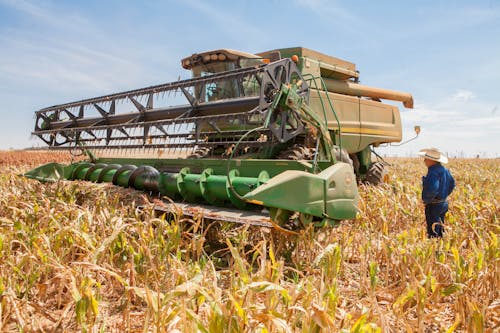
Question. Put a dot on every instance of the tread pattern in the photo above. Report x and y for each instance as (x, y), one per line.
(296, 152)
(375, 174)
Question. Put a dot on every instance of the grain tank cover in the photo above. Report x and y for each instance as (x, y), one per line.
(340, 76)
(330, 67)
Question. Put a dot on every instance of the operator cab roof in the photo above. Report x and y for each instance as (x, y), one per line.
(215, 56)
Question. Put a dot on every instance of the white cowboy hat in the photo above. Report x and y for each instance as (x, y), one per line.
(433, 154)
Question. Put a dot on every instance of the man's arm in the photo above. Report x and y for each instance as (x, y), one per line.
(451, 183)
(430, 187)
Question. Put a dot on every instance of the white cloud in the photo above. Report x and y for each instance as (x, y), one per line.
(463, 96)
(27, 8)
(68, 56)
(458, 124)
(48, 14)
(61, 65)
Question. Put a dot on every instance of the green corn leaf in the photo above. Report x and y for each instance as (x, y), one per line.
(373, 274)
(451, 289)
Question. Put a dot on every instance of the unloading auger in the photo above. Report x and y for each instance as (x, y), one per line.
(224, 148)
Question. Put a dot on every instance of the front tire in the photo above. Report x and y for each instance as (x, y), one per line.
(376, 173)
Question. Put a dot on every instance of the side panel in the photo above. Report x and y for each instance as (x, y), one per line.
(380, 123)
(348, 112)
(363, 122)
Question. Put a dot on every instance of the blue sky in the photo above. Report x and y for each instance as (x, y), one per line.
(446, 53)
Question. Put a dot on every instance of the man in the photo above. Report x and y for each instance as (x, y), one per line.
(436, 187)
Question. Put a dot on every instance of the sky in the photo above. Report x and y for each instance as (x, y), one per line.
(445, 53)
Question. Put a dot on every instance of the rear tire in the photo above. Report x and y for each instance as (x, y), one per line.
(296, 152)
(375, 174)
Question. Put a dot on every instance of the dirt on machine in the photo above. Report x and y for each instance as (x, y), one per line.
(280, 137)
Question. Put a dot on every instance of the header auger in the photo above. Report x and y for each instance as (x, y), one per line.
(255, 132)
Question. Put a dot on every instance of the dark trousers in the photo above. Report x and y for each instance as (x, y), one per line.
(434, 215)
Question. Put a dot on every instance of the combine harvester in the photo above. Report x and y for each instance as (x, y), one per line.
(284, 134)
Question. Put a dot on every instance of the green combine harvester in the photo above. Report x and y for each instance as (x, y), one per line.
(278, 137)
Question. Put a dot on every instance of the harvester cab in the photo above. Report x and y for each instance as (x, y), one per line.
(284, 132)
(220, 61)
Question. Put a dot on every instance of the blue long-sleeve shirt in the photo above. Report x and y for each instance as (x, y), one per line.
(437, 185)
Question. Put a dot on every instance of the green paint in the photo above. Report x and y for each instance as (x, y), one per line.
(286, 185)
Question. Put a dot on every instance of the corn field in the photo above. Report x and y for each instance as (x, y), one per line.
(78, 256)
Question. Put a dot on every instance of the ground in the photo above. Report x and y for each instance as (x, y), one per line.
(78, 256)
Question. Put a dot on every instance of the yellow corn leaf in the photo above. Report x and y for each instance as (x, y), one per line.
(261, 329)
(240, 264)
(192, 316)
(151, 299)
(321, 317)
(94, 306)
(201, 299)
(263, 286)
(480, 260)
(404, 298)
(271, 254)
(358, 325)
(239, 309)
(477, 317)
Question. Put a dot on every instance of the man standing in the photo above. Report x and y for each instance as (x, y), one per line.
(436, 187)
